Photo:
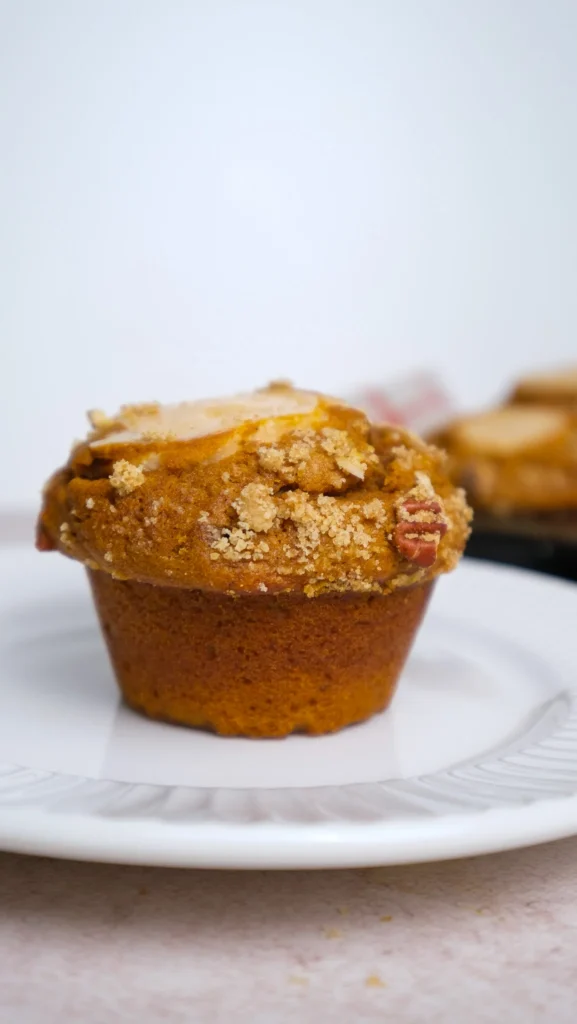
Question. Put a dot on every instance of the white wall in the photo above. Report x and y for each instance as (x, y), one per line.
(197, 196)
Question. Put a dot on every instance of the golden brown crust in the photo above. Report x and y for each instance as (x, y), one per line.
(516, 459)
(309, 501)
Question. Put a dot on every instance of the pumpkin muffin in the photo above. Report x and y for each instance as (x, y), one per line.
(555, 389)
(516, 460)
(260, 564)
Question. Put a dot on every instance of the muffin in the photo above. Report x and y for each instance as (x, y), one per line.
(556, 389)
(516, 460)
(260, 564)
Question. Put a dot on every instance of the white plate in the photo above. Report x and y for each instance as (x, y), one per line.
(478, 752)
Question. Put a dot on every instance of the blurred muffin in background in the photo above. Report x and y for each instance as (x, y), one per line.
(520, 459)
(558, 389)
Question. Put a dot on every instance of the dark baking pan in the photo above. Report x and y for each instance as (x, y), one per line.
(545, 545)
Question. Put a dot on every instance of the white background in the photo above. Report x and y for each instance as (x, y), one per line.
(197, 196)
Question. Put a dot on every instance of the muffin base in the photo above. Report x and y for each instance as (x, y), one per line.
(257, 665)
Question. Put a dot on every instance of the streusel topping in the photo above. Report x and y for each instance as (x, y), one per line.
(278, 491)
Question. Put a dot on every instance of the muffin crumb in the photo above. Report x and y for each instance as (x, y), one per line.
(374, 981)
(375, 510)
(338, 444)
(301, 448)
(65, 535)
(423, 487)
(126, 477)
(89, 503)
(404, 457)
(256, 508)
(234, 545)
(321, 517)
(271, 458)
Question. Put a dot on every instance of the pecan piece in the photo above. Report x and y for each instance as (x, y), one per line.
(411, 506)
(417, 539)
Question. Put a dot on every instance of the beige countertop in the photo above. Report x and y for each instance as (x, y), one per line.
(487, 940)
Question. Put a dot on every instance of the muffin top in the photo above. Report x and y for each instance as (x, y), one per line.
(559, 388)
(280, 490)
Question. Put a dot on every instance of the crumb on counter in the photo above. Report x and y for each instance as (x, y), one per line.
(374, 981)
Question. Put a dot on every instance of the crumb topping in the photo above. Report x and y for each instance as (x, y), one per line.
(376, 510)
(320, 517)
(316, 459)
(311, 524)
(301, 494)
(256, 508)
(348, 458)
(238, 544)
(65, 535)
(126, 477)
(272, 459)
